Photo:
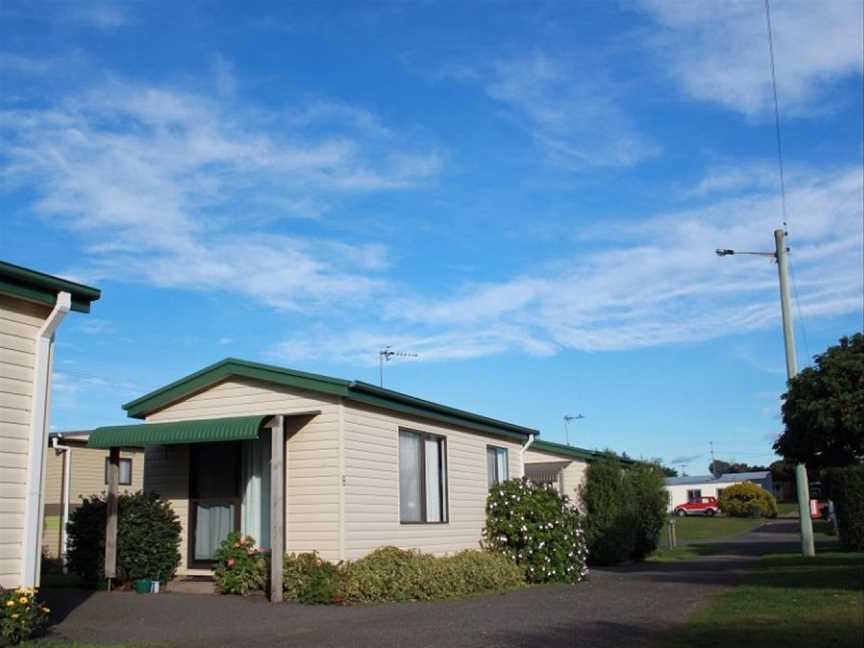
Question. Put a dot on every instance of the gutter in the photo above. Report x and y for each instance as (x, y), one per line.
(31, 547)
(522, 453)
(64, 495)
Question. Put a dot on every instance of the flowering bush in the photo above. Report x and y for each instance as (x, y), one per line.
(20, 615)
(240, 567)
(536, 528)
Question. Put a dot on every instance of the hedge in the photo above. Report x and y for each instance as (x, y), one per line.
(388, 574)
(845, 487)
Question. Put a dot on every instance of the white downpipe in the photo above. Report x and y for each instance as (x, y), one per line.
(522, 453)
(38, 436)
(64, 496)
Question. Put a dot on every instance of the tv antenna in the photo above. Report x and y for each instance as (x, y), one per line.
(386, 355)
(567, 419)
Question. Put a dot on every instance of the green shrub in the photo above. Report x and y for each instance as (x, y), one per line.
(21, 615)
(625, 510)
(309, 579)
(534, 526)
(390, 574)
(845, 487)
(610, 525)
(148, 538)
(739, 500)
(650, 500)
(240, 567)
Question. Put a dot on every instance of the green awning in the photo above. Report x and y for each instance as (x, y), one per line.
(201, 431)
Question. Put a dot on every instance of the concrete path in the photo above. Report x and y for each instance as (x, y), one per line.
(625, 606)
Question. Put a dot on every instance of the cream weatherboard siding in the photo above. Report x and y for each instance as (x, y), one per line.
(371, 441)
(87, 478)
(572, 476)
(20, 322)
(312, 457)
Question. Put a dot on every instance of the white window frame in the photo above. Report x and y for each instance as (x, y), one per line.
(444, 490)
(496, 478)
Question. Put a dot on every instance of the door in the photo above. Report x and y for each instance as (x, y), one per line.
(214, 498)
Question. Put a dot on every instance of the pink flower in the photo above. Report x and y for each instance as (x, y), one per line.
(231, 562)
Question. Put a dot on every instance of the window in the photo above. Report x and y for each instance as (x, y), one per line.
(125, 471)
(496, 465)
(693, 495)
(422, 478)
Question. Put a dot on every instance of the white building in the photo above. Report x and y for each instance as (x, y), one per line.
(686, 489)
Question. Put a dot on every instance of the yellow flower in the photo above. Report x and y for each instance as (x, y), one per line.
(23, 600)
(10, 603)
(46, 610)
(14, 616)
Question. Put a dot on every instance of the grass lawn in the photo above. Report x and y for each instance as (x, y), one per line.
(701, 529)
(785, 601)
(787, 509)
(78, 644)
(711, 528)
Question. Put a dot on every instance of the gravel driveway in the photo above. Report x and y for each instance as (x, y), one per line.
(617, 607)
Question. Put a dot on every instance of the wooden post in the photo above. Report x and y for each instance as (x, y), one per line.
(277, 506)
(111, 515)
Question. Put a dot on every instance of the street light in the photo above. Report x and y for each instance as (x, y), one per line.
(567, 419)
(781, 255)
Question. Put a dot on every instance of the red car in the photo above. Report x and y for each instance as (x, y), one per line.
(699, 506)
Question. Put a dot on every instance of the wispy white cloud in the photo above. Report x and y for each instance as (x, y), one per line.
(657, 283)
(572, 111)
(176, 189)
(718, 51)
(101, 14)
(96, 326)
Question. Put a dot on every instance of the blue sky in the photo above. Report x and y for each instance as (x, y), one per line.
(527, 195)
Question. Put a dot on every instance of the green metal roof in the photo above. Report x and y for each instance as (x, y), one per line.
(355, 391)
(200, 431)
(40, 287)
(578, 453)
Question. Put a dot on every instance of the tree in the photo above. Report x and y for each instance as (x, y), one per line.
(719, 467)
(823, 409)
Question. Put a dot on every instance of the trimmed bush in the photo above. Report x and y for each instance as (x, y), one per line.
(240, 567)
(742, 500)
(650, 500)
(535, 527)
(21, 615)
(390, 574)
(310, 580)
(845, 487)
(610, 525)
(148, 538)
(625, 510)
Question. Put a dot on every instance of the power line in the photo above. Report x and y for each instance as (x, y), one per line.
(780, 164)
(776, 112)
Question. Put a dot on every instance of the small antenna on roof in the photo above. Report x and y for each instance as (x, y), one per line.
(385, 355)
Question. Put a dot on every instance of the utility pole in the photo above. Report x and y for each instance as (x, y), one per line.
(802, 485)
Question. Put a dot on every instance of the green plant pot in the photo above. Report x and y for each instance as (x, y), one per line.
(142, 585)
